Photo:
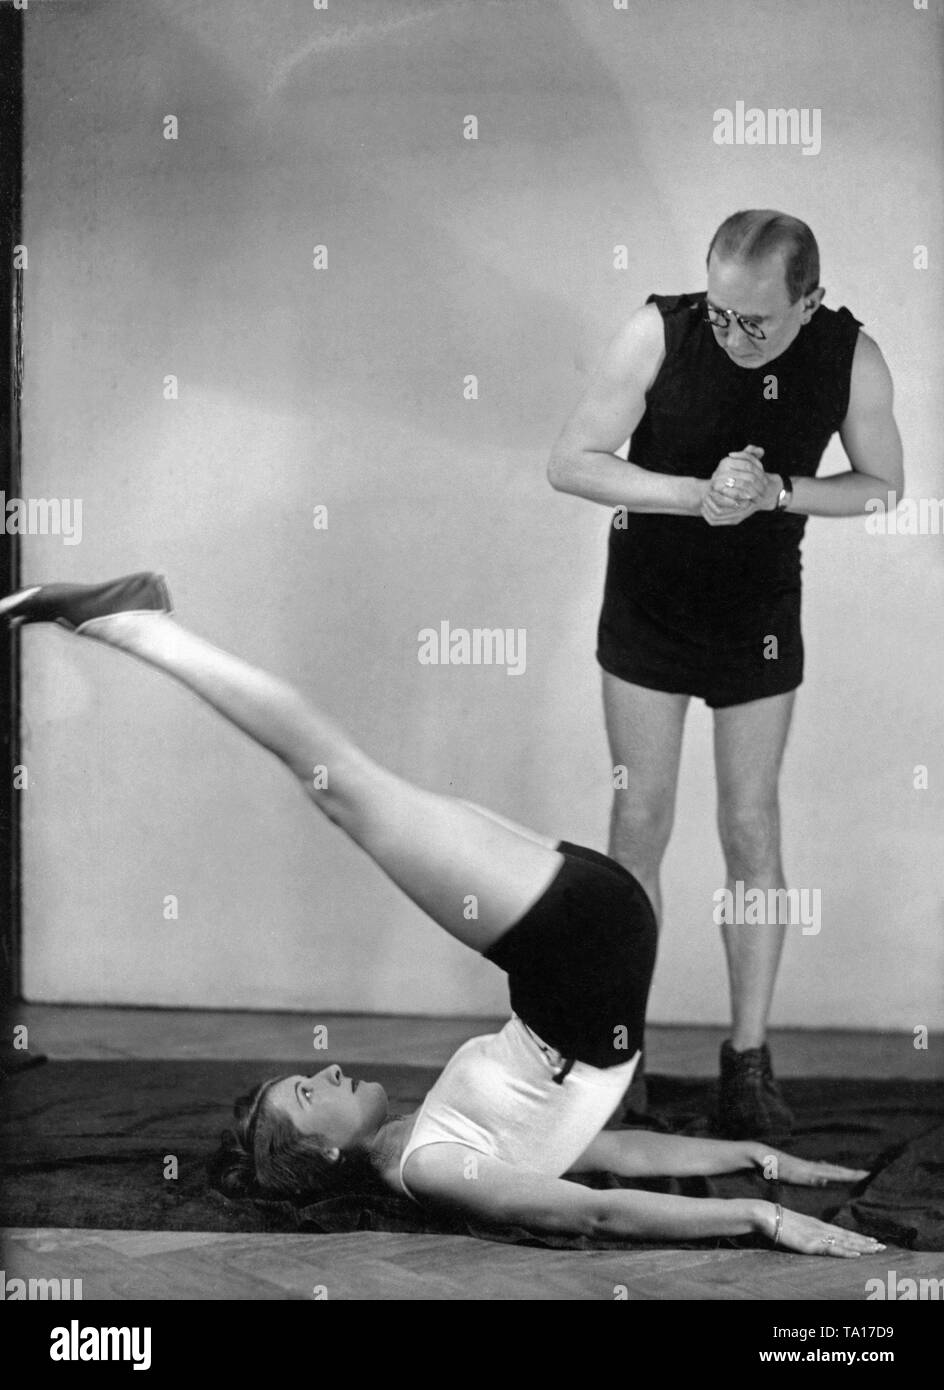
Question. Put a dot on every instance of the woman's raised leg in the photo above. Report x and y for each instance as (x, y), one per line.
(473, 874)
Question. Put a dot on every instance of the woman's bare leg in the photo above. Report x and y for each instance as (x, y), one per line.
(519, 829)
(473, 874)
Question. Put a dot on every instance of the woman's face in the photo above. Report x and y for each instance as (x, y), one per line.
(340, 1111)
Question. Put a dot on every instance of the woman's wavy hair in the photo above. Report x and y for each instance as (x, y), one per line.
(264, 1155)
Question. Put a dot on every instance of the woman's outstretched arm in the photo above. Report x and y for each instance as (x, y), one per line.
(454, 1176)
(642, 1153)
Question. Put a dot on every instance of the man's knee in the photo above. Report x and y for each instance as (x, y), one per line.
(640, 827)
(750, 835)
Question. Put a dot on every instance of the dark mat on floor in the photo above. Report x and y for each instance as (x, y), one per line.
(12, 1061)
(904, 1202)
(95, 1144)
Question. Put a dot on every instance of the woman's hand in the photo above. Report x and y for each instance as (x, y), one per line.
(803, 1172)
(807, 1236)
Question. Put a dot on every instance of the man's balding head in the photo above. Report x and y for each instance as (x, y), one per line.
(764, 266)
(759, 233)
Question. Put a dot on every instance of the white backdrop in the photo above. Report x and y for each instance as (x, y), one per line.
(343, 387)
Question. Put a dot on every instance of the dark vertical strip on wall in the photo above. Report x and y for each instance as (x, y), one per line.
(11, 349)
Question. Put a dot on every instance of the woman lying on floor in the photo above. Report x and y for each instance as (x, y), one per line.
(575, 933)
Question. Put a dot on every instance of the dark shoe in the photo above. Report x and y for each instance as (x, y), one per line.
(72, 605)
(750, 1105)
(635, 1103)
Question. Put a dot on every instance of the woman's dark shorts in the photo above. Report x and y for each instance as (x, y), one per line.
(580, 961)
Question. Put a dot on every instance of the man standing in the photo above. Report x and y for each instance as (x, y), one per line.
(729, 399)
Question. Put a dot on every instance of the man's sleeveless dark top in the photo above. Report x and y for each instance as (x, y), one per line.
(706, 581)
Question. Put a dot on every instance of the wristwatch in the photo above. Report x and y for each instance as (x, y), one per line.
(785, 495)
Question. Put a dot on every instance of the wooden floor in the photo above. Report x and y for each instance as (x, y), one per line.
(377, 1267)
(116, 1265)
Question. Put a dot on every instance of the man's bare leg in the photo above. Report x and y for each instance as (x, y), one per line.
(750, 740)
(645, 730)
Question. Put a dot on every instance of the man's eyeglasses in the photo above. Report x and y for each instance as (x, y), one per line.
(721, 318)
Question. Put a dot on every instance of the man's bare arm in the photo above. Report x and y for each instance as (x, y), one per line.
(583, 460)
(870, 438)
